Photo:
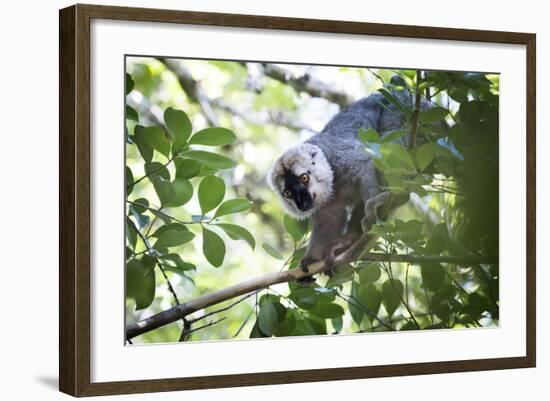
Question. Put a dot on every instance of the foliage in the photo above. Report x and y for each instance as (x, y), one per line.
(197, 204)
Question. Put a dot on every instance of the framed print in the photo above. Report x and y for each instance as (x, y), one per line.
(281, 200)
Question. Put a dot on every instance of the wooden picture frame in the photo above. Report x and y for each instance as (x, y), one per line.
(75, 200)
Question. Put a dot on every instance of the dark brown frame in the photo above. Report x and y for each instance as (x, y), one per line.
(74, 199)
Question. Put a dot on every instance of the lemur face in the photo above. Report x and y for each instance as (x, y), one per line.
(303, 178)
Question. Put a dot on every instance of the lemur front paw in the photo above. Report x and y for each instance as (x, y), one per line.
(305, 262)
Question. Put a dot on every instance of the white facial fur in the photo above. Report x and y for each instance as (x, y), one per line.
(309, 159)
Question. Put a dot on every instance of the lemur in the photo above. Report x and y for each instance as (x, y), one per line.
(332, 178)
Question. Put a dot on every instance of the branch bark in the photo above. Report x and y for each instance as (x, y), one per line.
(307, 83)
(363, 244)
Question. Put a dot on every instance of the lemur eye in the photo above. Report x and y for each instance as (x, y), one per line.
(287, 193)
(304, 178)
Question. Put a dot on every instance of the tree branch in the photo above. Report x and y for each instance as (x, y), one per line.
(306, 83)
(364, 243)
(192, 88)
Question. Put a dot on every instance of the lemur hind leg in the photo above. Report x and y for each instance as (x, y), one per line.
(342, 244)
(380, 206)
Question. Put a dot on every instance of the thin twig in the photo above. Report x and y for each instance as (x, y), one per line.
(224, 308)
(152, 172)
(159, 211)
(206, 325)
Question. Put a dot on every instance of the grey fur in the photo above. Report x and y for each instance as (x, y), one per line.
(356, 183)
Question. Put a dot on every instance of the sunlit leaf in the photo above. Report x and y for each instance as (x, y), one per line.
(183, 191)
(236, 232)
(392, 291)
(272, 251)
(212, 160)
(232, 206)
(155, 138)
(173, 238)
(369, 273)
(213, 137)
(369, 135)
(187, 168)
(144, 149)
(213, 247)
(394, 136)
(164, 189)
(170, 226)
(179, 126)
(211, 193)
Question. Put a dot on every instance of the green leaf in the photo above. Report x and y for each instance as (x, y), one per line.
(213, 247)
(155, 138)
(433, 275)
(209, 159)
(393, 136)
(129, 84)
(211, 193)
(155, 170)
(131, 114)
(369, 274)
(183, 191)
(129, 180)
(369, 135)
(371, 298)
(256, 332)
(432, 115)
(176, 263)
(398, 152)
(164, 189)
(179, 126)
(285, 327)
(237, 232)
(296, 228)
(140, 283)
(145, 150)
(305, 298)
(232, 206)
(143, 205)
(338, 324)
(131, 236)
(355, 311)
(328, 311)
(272, 251)
(187, 168)
(343, 275)
(173, 238)
(396, 102)
(392, 291)
(441, 302)
(425, 154)
(213, 137)
(170, 226)
(268, 318)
